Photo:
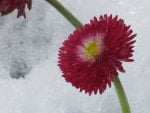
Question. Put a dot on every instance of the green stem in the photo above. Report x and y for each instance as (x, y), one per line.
(122, 96)
(71, 18)
(77, 24)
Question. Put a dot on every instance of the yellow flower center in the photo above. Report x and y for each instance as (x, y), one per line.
(92, 50)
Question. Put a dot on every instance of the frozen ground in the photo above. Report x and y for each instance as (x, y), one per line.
(29, 47)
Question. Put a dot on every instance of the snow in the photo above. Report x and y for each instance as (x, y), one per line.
(30, 47)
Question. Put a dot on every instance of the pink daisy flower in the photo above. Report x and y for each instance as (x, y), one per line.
(7, 6)
(92, 56)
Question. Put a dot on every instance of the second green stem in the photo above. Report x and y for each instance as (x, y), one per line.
(71, 18)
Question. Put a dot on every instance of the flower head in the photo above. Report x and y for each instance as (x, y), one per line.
(92, 56)
(7, 6)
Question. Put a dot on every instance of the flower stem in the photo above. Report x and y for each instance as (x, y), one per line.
(77, 24)
(71, 18)
(122, 96)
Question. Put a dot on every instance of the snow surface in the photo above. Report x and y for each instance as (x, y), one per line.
(29, 47)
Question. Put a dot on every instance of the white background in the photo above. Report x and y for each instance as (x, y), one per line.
(35, 42)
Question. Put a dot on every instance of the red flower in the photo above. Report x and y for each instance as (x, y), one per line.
(7, 6)
(92, 56)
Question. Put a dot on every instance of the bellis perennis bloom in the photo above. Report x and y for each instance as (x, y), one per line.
(7, 6)
(92, 56)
